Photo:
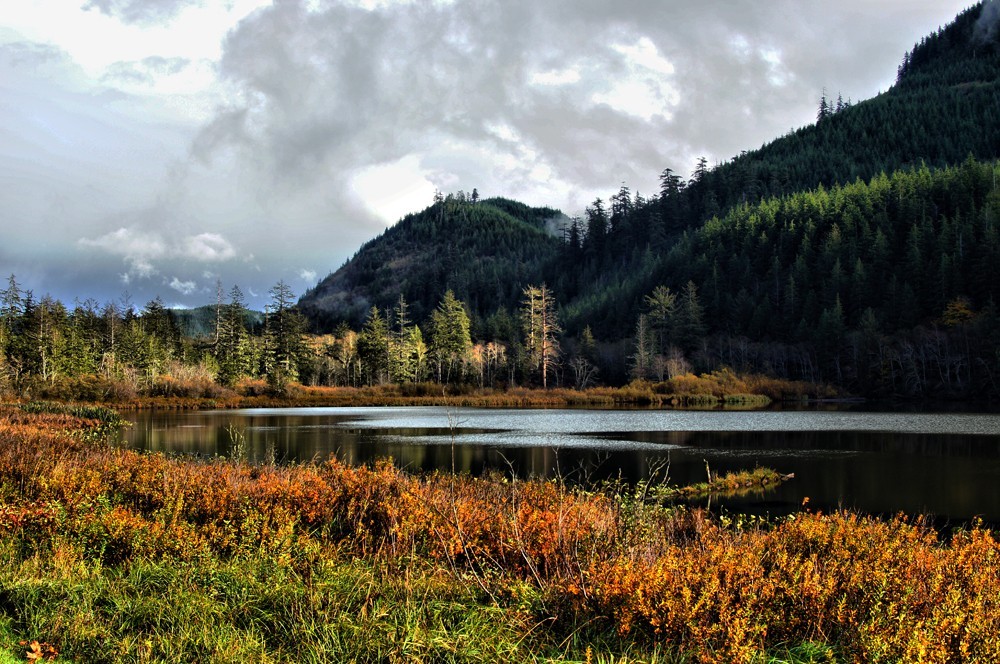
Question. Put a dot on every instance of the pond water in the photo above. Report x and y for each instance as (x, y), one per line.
(943, 465)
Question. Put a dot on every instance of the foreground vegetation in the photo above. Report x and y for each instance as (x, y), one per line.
(112, 554)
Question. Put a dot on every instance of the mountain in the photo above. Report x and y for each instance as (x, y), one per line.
(878, 222)
(200, 322)
(485, 251)
(944, 107)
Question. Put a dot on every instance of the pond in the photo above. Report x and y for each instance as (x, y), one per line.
(943, 465)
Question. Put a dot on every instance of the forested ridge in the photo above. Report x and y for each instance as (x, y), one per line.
(944, 108)
(859, 251)
(483, 251)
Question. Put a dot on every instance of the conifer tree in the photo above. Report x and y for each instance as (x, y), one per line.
(373, 348)
(450, 338)
(283, 336)
(233, 352)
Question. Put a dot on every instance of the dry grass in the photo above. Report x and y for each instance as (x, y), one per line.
(185, 387)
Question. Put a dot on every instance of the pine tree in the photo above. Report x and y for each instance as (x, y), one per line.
(690, 328)
(283, 336)
(373, 348)
(451, 342)
(824, 110)
(232, 352)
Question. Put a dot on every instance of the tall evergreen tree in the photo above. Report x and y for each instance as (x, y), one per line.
(451, 341)
(373, 348)
(283, 327)
(233, 351)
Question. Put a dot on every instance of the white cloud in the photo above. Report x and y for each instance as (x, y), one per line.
(142, 250)
(183, 287)
(395, 189)
(207, 247)
(308, 276)
(138, 249)
(778, 73)
(647, 91)
(555, 77)
(131, 29)
(643, 53)
(643, 99)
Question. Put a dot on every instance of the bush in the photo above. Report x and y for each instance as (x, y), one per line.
(252, 387)
(92, 388)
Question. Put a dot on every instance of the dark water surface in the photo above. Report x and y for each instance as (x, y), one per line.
(945, 465)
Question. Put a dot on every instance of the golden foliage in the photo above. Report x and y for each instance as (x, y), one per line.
(877, 590)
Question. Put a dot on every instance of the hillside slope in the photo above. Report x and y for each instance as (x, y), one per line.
(484, 251)
(880, 219)
(944, 108)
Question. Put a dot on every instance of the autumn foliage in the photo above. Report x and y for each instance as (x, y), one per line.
(705, 588)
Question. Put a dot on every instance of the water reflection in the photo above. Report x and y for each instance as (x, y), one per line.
(946, 465)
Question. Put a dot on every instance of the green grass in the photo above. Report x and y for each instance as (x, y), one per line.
(255, 609)
(260, 608)
(806, 653)
(9, 643)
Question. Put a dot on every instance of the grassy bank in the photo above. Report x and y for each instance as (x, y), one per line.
(719, 389)
(108, 554)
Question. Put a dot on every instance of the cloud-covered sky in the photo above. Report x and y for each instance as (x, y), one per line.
(156, 146)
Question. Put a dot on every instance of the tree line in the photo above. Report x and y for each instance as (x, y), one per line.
(886, 286)
(44, 344)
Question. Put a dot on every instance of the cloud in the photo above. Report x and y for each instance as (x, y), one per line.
(143, 12)
(145, 71)
(207, 247)
(183, 287)
(596, 93)
(31, 55)
(142, 250)
(308, 276)
(138, 249)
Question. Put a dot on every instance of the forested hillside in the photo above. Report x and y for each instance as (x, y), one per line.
(944, 108)
(888, 286)
(485, 252)
(879, 218)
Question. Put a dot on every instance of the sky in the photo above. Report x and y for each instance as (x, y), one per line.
(161, 147)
